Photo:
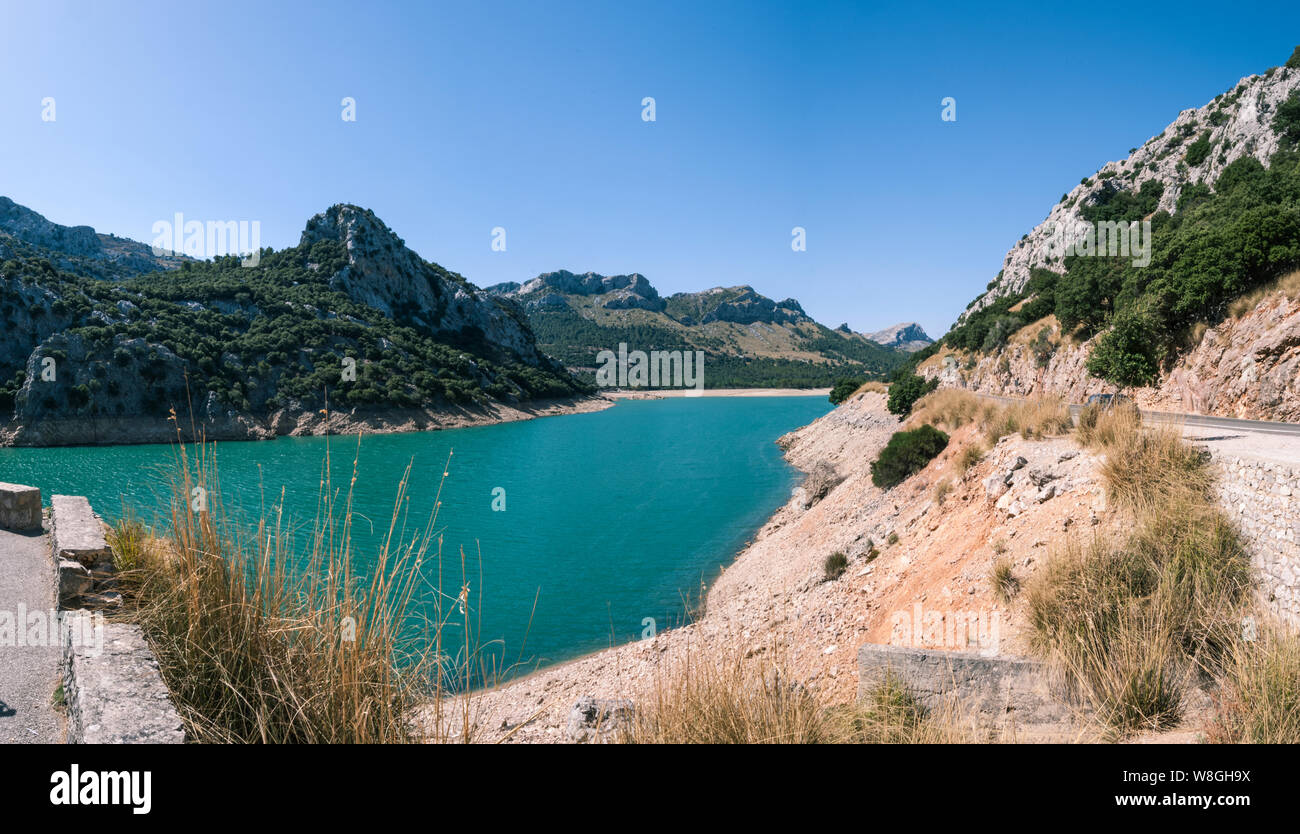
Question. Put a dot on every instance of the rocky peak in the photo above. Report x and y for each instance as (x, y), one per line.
(383, 273)
(78, 249)
(906, 335)
(1234, 124)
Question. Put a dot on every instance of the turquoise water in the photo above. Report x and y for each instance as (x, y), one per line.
(610, 518)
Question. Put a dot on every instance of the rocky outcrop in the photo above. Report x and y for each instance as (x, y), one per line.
(77, 249)
(618, 292)
(381, 272)
(1247, 367)
(350, 319)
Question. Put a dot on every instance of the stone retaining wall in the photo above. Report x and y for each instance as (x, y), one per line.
(112, 687)
(1260, 496)
(1008, 695)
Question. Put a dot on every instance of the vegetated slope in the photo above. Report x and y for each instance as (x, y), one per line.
(1221, 189)
(349, 317)
(749, 340)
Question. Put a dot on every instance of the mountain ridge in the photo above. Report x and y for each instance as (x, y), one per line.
(349, 322)
(749, 340)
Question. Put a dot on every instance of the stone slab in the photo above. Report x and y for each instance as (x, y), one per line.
(20, 507)
(112, 686)
(78, 532)
(1007, 694)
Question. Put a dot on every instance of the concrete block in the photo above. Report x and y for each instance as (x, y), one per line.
(20, 507)
(78, 532)
(1007, 694)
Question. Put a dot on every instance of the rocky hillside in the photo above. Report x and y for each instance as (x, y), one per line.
(77, 249)
(1245, 366)
(1137, 277)
(749, 340)
(1196, 148)
(349, 319)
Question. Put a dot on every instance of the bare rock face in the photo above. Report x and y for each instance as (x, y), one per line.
(908, 336)
(31, 227)
(78, 248)
(1246, 367)
(1244, 129)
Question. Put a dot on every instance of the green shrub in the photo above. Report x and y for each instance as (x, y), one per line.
(907, 453)
(1198, 151)
(843, 388)
(1000, 329)
(1287, 119)
(1128, 354)
(835, 565)
(1294, 61)
(904, 393)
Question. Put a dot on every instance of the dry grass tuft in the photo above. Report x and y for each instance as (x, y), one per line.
(970, 456)
(889, 713)
(1259, 695)
(1033, 418)
(1288, 285)
(712, 697)
(1131, 621)
(718, 698)
(260, 641)
(1101, 427)
(949, 408)
(1004, 581)
(871, 387)
(1144, 465)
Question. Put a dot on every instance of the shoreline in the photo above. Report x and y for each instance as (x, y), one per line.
(615, 671)
(669, 393)
(135, 431)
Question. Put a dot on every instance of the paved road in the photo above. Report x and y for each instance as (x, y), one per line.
(1196, 420)
(28, 674)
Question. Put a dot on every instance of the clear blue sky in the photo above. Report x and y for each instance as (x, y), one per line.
(528, 116)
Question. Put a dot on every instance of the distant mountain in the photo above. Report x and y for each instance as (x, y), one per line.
(906, 336)
(76, 249)
(350, 318)
(749, 340)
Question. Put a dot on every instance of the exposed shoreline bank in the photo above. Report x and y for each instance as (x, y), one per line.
(133, 431)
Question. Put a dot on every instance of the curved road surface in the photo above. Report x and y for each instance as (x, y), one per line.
(1194, 420)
